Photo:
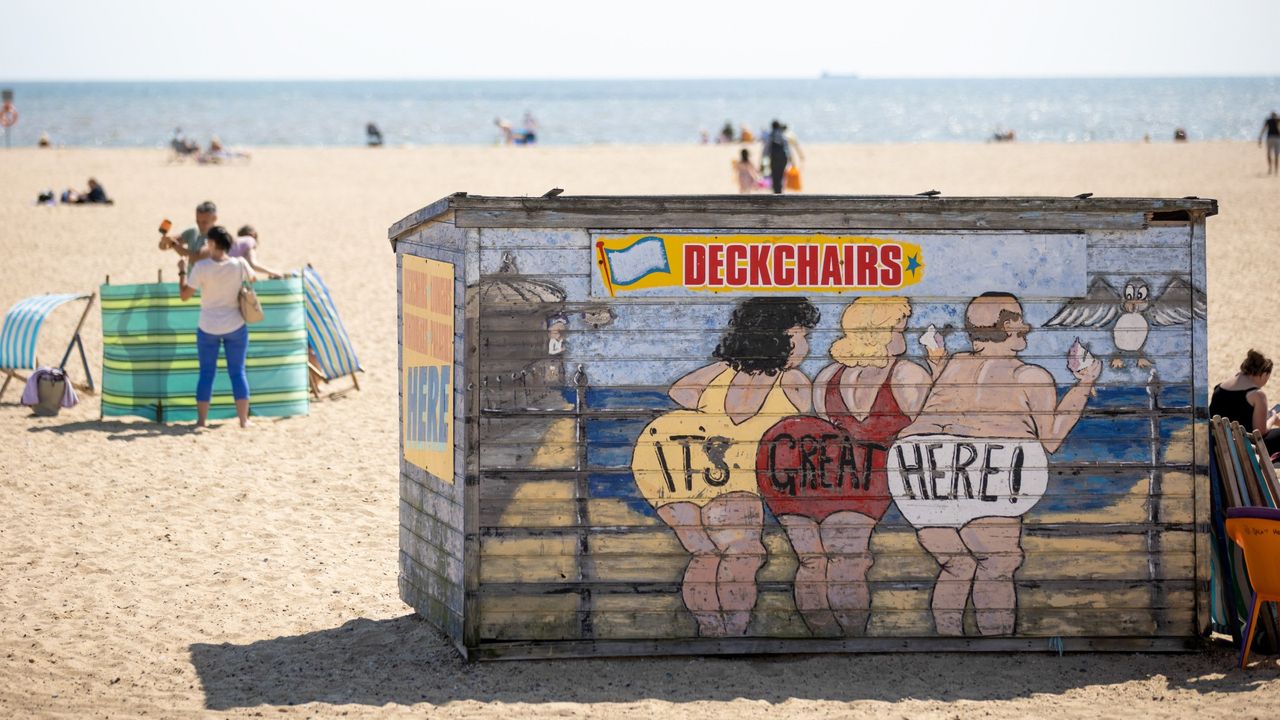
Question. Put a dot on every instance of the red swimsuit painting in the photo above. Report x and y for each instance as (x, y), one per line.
(824, 476)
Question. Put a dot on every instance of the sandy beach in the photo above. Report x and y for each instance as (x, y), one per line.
(148, 570)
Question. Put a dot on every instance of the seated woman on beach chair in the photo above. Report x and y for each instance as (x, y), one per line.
(1243, 400)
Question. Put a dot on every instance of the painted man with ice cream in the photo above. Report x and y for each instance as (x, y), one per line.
(976, 459)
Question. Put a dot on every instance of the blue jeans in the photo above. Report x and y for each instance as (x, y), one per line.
(237, 344)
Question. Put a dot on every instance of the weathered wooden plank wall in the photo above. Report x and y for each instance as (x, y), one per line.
(434, 515)
(567, 379)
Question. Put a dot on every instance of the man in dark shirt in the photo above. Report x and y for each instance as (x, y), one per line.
(1271, 129)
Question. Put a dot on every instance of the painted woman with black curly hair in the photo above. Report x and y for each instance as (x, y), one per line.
(696, 465)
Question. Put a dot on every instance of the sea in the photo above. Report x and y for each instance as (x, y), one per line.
(590, 112)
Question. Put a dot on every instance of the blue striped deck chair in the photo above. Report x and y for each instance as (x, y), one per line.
(329, 348)
(21, 329)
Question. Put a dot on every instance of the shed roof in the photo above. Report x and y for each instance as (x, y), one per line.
(881, 212)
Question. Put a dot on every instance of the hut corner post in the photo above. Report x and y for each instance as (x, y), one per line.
(438, 537)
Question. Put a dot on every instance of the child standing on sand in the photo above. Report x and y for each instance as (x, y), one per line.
(748, 178)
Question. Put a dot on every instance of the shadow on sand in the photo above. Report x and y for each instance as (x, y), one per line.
(405, 661)
(117, 430)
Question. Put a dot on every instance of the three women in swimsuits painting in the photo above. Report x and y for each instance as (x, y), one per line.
(753, 430)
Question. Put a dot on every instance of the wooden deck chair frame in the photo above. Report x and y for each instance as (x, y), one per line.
(1250, 479)
(75, 343)
(316, 376)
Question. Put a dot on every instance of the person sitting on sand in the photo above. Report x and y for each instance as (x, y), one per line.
(95, 194)
(191, 243)
(244, 245)
(217, 153)
(748, 178)
(373, 136)
(514, 137)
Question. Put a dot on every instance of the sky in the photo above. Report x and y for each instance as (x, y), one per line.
(604, 39)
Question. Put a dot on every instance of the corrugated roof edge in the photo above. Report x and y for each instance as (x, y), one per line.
(647, 206)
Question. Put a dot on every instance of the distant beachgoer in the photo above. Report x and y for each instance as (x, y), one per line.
(504, 127)
(373, 135)
(726, 133)
(217, 153)
(1004, 136)
(514, 137)
(746, 136)
(1243, 400)
(183, 147)
(219, 278)
(95, 194)
(44, 140)
(1179, 135)
(778, 154)
(191, 243)
(1271, 130)
(530, 123)
(704, 137)
(748, 178)
(245, 246)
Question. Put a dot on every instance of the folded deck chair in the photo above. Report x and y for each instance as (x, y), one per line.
(330, 353)
(22, 327)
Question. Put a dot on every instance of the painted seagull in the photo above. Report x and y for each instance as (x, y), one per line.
(1134, 313)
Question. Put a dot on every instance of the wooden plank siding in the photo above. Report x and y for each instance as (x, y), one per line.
(433, 519)
(552, 539)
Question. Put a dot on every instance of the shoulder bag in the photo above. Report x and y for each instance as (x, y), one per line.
(250, 308)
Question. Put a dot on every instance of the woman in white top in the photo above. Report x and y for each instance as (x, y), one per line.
(218, 278)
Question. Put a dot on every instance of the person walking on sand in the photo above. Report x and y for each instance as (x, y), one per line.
(190, 245)
(219, 278)
(1271, 131)
(778, 151)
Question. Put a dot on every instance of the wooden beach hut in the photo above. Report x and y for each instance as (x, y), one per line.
(711, 425)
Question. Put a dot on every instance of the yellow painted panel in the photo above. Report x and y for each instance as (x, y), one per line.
(536, 569)
(618, 512)
(427, 381)
(528, 547)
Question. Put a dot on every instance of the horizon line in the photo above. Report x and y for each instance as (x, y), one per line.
(826, 75)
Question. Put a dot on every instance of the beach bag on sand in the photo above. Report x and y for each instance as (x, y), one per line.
(250, 307)
(793, 178)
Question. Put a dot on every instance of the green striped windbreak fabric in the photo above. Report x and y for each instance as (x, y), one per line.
(149, 365)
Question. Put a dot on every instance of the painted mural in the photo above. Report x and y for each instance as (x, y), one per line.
(868, 443)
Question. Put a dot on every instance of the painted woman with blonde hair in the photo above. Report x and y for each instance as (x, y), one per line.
(832, 488)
